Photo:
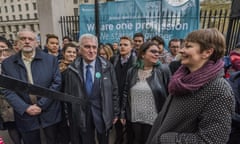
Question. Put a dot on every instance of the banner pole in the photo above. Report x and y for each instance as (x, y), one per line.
(97, 32)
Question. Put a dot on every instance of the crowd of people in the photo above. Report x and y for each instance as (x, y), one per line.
(134, 87)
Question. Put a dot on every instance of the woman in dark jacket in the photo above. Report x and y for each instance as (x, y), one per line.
(69, 53)
(145, 92)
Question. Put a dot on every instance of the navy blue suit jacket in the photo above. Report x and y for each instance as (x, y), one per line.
(45, 73)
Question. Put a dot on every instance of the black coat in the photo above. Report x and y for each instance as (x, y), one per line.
(74, 85)
(116, 58)
(121, 71)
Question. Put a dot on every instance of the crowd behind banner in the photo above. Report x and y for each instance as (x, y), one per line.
(137, 90)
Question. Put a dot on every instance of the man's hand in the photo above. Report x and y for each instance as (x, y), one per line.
(115, 120)
(33, 110)
(123, 121)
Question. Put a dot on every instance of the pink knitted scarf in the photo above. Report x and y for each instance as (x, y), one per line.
(183, 82)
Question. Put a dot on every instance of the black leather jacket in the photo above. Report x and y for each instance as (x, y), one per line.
(74, 85)
(158, 83)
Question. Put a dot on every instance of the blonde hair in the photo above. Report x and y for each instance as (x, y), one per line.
(107, 50)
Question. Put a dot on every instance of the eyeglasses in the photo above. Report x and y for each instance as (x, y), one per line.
(27, 38)
(154, 51)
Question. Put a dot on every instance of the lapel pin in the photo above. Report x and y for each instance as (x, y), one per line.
(98, 75)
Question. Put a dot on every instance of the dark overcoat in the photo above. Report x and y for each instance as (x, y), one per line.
(45, 73)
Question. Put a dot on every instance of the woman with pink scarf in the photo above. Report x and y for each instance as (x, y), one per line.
(200, 105)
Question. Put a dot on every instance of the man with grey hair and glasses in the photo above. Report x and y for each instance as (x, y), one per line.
(32, 112)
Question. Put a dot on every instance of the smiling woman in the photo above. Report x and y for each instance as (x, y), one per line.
(144, 93)
(69, 52)
(200, 100)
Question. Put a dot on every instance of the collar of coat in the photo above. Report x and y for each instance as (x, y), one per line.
(76, 65)
(39, 54)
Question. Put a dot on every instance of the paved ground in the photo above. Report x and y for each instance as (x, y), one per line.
(4, 135)
(7, 140)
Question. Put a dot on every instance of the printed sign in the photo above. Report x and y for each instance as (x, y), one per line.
(166, 18)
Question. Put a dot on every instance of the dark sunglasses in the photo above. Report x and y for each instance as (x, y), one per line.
(154, 51)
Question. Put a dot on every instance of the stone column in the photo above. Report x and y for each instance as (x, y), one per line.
(49, 12)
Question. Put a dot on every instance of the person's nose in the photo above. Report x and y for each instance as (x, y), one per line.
(72, 54)
(181, 50)
(91, 49)
(1, 58)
